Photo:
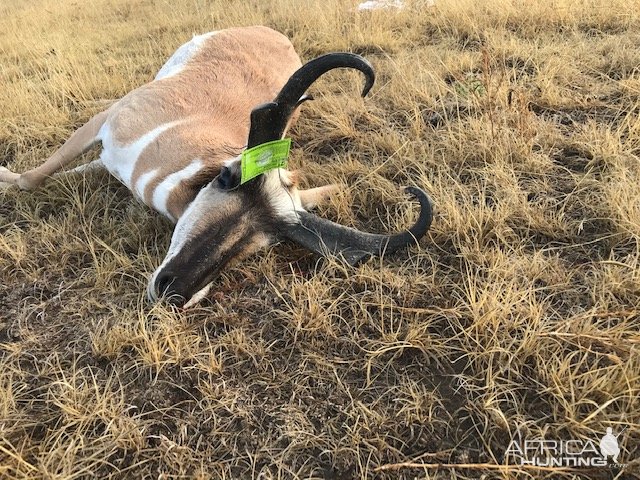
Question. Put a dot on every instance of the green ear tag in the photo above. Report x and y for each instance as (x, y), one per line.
(262, 158)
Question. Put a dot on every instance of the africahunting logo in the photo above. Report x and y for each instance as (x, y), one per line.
(566, 453)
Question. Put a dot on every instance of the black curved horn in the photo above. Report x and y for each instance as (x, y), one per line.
(326, 237)
(268, 121)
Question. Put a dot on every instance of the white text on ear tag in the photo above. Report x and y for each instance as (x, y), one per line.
(262, 158)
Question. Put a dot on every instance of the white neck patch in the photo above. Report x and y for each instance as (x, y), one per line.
(284, 201)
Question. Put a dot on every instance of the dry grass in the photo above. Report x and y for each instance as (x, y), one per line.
(517, 316)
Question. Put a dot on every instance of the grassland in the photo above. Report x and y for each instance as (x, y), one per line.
(517, 317)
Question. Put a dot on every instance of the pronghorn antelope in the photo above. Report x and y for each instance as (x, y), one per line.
(176, 144)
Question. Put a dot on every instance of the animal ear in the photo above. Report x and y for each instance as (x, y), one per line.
(315, 196)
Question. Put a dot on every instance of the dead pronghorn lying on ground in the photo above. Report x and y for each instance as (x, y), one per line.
(176, 143)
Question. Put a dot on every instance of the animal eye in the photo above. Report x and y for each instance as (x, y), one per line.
(227, 180)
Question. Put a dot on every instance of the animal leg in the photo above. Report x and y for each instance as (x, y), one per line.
(316, 196)
(80, 141)
(8, 177)
(92, 166)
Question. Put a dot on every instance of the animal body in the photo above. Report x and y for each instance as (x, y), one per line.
(176, 143)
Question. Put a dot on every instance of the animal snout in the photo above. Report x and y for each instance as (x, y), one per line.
(165, 285)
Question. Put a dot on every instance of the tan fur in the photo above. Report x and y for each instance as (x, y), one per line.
(211, 99)
(317, 196)
(233, 72)
(81, 141)
(212, 96)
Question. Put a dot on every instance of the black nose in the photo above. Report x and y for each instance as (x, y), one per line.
(164, 282)
(167, 286)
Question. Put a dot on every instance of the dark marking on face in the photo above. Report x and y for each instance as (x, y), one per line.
(237, 225)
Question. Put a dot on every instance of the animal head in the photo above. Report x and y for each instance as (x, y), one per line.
(228, 221)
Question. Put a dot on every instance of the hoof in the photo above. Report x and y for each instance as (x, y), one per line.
(7, 178)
